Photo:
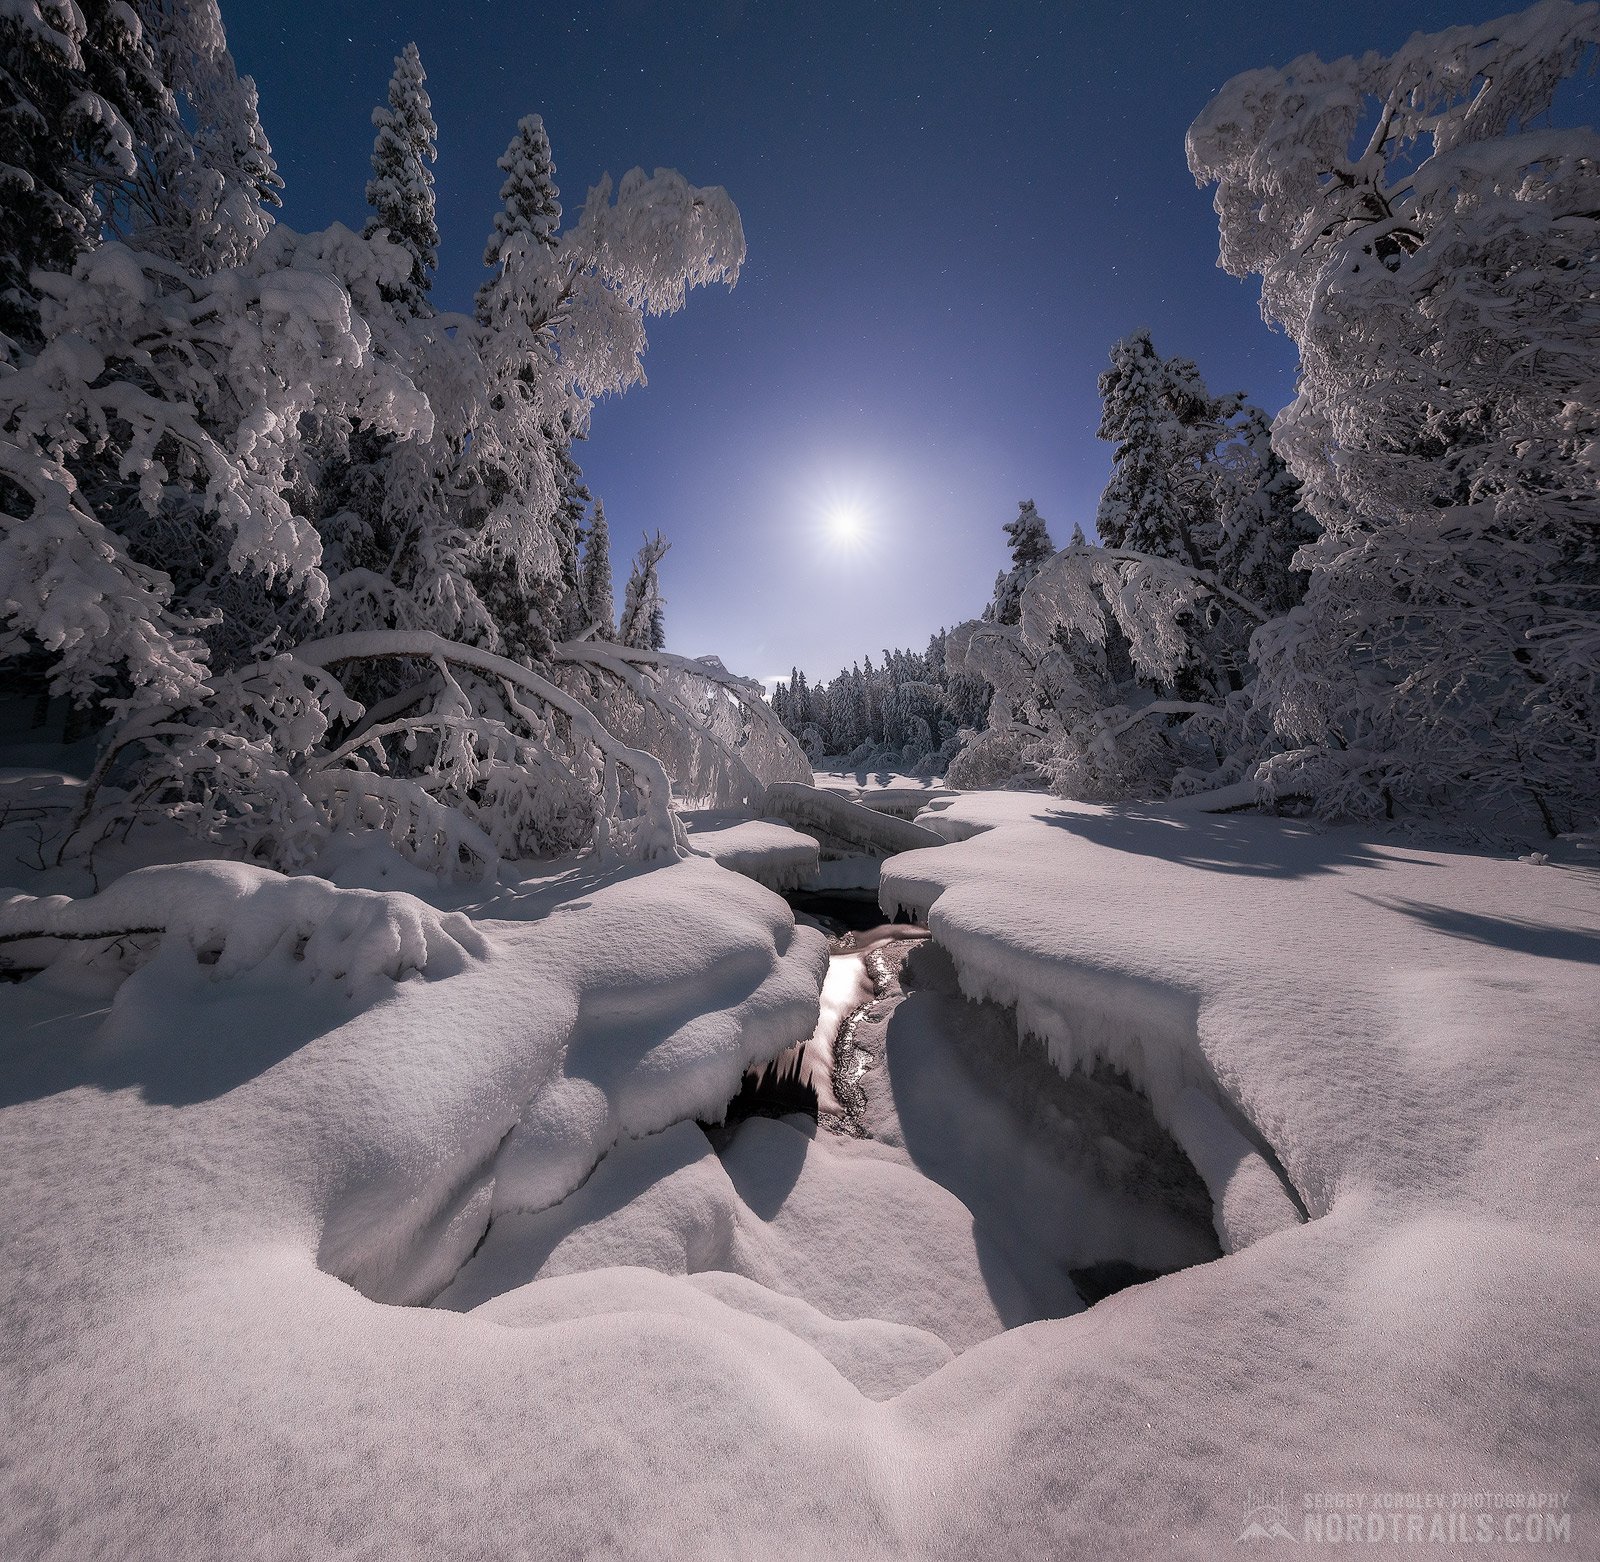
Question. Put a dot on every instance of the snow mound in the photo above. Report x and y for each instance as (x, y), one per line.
(234, 918)
(765, 850)
(769, 1210)
(641, 1012)
(880, 1359)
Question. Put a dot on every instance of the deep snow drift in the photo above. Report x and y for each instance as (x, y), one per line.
(713, 1363)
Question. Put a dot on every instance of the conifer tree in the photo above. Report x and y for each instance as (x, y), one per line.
(206, 183)
(530, 205)
(643, 626)
(400, 191)
(1030, 547)
(1165, 425)
(79, 88)
(596, 576)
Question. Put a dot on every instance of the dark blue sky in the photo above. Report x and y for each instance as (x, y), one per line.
(952, 212)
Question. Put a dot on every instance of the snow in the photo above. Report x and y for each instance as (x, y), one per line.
(771, 853)
(232, 918)
(844, 824)
(745, 1341)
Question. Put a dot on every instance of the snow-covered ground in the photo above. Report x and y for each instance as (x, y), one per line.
(226, 1173)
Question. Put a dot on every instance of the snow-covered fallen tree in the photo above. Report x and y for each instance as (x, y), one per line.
(232, 918)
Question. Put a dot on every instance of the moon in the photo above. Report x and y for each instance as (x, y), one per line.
(845, 525)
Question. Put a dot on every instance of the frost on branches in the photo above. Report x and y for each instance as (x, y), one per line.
(1428, 238)
(907, 712)
(310, 551)
(1125, 670)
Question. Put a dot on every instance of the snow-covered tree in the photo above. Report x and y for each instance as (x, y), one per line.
(1125, 669)
(643, 625)
(400, 191)
(1166, 427)
(148, 455)
(596, 576)
(1261, 521)
(1427, 235)
(124, 117)
(206, 183)
(1030, 547)
(530, 204)
(77, 85)
(312, 550)
(907, 711)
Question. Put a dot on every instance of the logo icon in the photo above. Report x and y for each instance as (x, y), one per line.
(1265, 1520)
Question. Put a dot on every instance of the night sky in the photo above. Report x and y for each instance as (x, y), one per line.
(952, 212)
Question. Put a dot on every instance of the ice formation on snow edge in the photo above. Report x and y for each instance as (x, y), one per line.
(1087, 1015)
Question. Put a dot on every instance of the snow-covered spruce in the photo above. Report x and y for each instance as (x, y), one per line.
(400, 191)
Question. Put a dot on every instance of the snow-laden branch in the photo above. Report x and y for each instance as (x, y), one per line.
(719, 737)
(663, 836)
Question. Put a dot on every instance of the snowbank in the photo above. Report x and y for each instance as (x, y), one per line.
(762, 849)
(190, 1177)
(1411, 1033)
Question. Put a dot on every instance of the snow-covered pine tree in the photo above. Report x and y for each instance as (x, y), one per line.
(596, 576)
(400, 191)
(643, 625)
(1166, 427)
(1261, 519)
(1428, 236)
(153, 441)
(564, 606)
(1030, 543)
(530, 204)
(527, 482)
(372, 545)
